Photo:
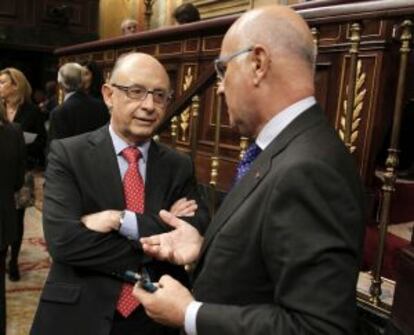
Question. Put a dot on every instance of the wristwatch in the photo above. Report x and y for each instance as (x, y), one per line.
(121, 218)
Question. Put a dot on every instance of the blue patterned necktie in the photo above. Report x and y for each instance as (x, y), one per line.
(249, 156)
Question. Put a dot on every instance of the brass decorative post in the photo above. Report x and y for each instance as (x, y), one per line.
(391, 163)
(355, 41)
(148, 13)
(315, 35)
(174, 126)
(215, 158)
(195, 107)
(244, 143)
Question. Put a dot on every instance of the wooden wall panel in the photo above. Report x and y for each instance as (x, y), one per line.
(47, 23)
(188, 51)
(8, 10)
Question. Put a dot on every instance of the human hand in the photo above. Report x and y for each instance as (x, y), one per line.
(184, 207)
(180, 246)
(168, 304)
(102, 222)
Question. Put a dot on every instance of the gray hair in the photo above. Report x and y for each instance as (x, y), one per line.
(70, 76)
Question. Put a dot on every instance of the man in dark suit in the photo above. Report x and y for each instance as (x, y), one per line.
(281, 255)
(79, 112)
(90, 224)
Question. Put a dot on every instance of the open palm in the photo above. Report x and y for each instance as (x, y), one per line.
(180, 246)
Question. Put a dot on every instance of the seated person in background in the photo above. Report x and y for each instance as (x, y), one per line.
(186, 13)
(79, 112)
(129, 26)
(103, 190)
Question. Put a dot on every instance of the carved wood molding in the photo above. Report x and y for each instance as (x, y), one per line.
(215, 8)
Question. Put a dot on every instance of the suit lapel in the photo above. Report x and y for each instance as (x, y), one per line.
(155, 178)
(260, 167)
(237, 196)
(107, 175)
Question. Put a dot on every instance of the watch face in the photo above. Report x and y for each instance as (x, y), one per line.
(121, 218)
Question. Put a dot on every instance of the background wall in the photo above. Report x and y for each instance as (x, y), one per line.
(31, 29)
(111, 13)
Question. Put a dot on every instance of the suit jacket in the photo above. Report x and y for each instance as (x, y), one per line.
(79, 114)
(12, 153)
(30, 120)
(281, 255)
(83, 177)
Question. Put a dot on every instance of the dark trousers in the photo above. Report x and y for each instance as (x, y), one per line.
(3, 253)
(139, 323)
(15, 247)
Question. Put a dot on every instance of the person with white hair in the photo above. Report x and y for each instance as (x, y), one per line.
(79, 112)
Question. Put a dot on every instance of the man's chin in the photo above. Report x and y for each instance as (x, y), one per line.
(140, 135)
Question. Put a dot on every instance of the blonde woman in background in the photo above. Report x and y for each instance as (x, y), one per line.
(15, 92)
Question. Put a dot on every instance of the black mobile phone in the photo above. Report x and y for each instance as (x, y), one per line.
(143, 279)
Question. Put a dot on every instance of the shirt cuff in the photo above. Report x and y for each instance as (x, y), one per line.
(129, 226)
(190, 318)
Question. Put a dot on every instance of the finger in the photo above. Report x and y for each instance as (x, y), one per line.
(193, 207)
(178, 204)
(188, 203)
(165, 280)
(188, 215)
(180, 201)
(151, 240)
(153, 251)
(163, 254)
(170, 219)
(142, 295)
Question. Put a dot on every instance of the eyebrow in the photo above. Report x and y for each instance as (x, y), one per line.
(143, 86)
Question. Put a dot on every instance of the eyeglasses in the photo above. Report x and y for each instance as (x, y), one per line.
(137, 92)
(220, 64)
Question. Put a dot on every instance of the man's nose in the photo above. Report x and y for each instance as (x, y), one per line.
(148, 101)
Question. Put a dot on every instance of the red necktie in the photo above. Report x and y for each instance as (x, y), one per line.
(134, 200)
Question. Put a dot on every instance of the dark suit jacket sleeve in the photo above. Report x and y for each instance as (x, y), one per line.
(310, 242)
(60, 124)
(30, 120)
(68, 240)
(22, 158)
(182, 184)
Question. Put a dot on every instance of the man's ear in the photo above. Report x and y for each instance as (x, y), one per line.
(107, 93)
(260, 63)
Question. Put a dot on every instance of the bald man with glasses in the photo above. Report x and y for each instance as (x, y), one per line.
(103, 192)
(281, 254)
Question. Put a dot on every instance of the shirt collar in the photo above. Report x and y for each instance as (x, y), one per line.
(68, 95)
(120, 144)
(281, 120)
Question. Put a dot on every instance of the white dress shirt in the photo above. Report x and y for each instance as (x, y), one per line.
(129, 226)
